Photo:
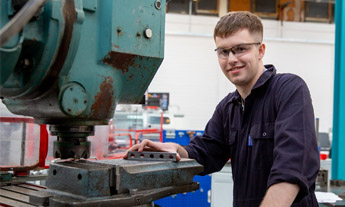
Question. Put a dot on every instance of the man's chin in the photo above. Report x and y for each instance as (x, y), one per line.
(237, 81)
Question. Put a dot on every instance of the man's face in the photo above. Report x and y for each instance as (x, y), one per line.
(245, 67)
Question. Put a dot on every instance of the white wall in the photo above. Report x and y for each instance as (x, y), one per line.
(190, 70)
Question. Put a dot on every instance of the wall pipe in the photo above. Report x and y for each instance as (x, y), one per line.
(338, 141)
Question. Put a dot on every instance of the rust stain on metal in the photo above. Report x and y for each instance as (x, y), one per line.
(116, 46)
(102, 105)
(120, 61)
(131, 77)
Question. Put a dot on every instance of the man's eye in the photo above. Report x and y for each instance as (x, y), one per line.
(239, 49)
(224, 51)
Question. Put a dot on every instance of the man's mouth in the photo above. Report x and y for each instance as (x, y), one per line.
(236, 68)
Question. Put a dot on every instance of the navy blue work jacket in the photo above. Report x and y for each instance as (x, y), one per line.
(271, 139)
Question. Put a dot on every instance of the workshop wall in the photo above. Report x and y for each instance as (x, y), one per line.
(191, 74)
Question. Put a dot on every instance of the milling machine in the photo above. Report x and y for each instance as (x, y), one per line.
(68, 63)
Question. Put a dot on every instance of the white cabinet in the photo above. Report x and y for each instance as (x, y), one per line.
(222, 187)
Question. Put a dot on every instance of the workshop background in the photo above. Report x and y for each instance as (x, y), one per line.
(191, 74)
(300, 39)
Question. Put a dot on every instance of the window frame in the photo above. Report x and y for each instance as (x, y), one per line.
(205, 11)
(265, 14)
(329, 19)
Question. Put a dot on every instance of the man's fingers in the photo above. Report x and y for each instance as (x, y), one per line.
(178, 157)
(155, 146)
(133, 148)
(142, 145)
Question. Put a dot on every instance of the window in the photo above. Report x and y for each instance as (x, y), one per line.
(320, 11)
(195, 7)
(178, 6)
(207, 6)
(265, 8)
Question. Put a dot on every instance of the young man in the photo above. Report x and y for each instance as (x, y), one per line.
(266, 127)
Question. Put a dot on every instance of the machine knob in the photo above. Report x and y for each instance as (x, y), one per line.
(73, 99)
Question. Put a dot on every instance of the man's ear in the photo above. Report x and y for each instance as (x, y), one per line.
(262, 50)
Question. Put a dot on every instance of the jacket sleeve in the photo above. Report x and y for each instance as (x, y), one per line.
(295, 155)
(212, 149)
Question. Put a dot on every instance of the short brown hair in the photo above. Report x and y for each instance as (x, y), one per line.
(235, 21)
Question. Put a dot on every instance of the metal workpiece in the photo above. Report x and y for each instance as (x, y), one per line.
(115, 182)
(151, 156)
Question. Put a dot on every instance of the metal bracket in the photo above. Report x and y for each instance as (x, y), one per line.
(152, 156)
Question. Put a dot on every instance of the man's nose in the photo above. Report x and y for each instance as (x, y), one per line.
(232, 59)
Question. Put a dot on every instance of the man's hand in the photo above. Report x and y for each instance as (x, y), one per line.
(280, 194)
(148, 145)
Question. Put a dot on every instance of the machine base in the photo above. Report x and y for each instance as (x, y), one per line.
(105, 183)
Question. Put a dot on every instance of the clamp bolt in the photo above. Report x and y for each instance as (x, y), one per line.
(158, 4)
(148, 33)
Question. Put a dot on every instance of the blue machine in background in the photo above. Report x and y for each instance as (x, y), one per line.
(200, 197)
(181, 137)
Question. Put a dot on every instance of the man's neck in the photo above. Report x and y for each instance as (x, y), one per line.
(244, 91)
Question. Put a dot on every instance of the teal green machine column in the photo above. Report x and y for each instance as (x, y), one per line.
(338, 145)
(74, 61)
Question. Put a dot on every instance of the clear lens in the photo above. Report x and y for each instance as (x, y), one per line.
(240, 49)
(223, 53)
(236, 50)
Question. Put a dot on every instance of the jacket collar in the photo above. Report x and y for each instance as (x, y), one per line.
(265, 76)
